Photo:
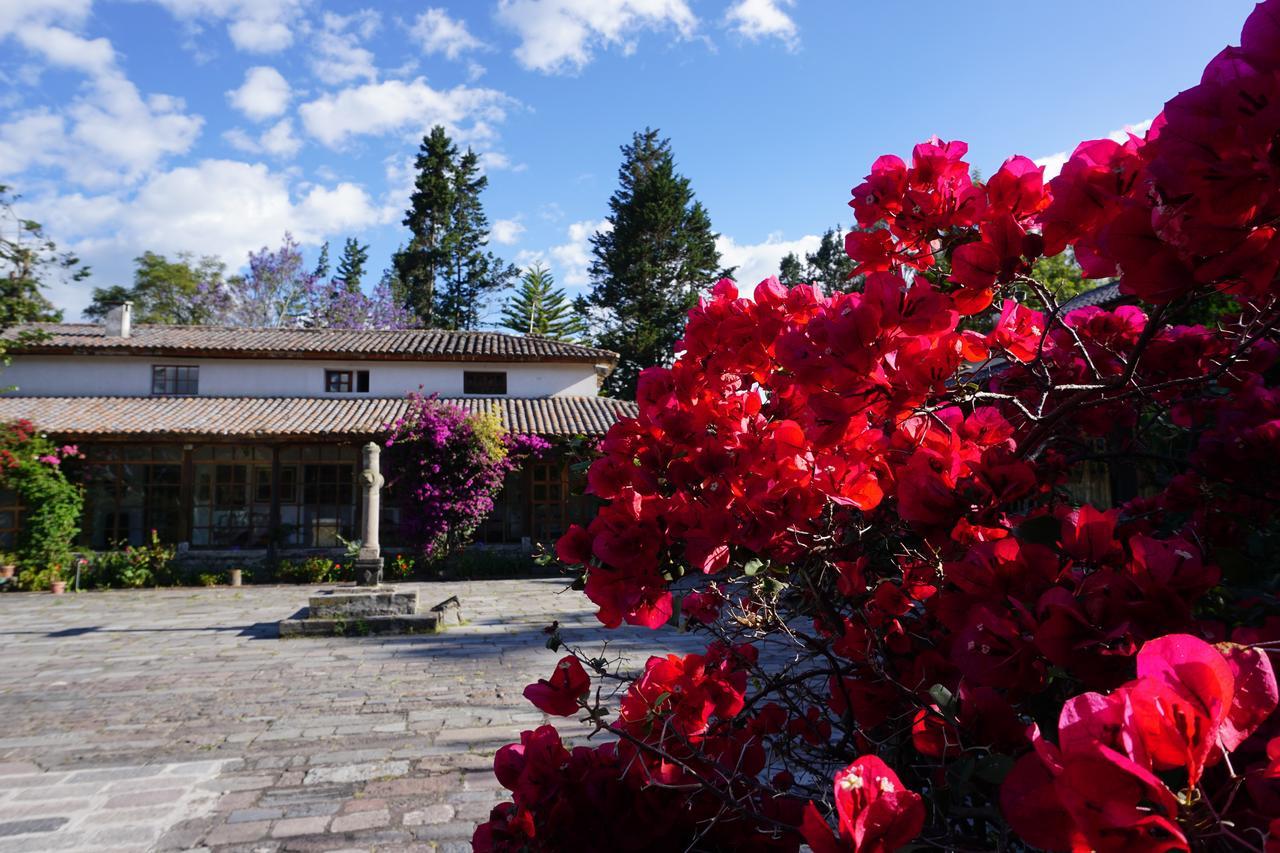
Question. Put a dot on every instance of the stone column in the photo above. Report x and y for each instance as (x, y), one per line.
(369, 560)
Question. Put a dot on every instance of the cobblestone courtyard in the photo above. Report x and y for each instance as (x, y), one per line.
(175, 719)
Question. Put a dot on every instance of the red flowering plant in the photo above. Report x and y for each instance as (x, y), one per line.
(918, 636)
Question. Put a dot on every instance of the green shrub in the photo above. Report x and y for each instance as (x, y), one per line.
(134, 566)
(312, 570)
(31, 466)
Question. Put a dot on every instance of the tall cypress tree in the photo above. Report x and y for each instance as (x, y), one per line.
(649, 268)
(472, 272)
(538, 307)
(351, 265)
(420, 265)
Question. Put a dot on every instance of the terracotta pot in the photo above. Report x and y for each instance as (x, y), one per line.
(58, 587)
(7, 571)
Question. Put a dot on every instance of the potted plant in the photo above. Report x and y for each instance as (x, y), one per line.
(56, 584)
(8, 565)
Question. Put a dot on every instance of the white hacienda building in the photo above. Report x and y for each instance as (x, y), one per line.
(248, 439)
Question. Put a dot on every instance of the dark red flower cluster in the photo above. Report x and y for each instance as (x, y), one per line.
(896, 493)
(1098, 789)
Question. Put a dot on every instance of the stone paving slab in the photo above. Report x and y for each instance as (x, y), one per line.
(177, 720)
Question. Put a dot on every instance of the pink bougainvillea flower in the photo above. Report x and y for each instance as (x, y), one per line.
(875, 813)
(561, 694)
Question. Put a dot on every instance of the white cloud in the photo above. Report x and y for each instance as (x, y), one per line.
(561, 35)
(1053, 163)
(277, 140)
(506, 231)
(264, 93)
(574, 257)
(18, 13)
(108, 133)
(256, 26)
(67, 50)
(338, 56)
(394, 106)
(215, 207)
(436, 32)
(757, 261)
(761, 19)
(108, 136)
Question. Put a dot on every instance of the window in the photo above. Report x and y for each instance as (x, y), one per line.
(174, 379)
(337, 381)
(484, 382)
(130, 490)
(362, 381)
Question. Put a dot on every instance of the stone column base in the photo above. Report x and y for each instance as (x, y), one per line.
(369, 572)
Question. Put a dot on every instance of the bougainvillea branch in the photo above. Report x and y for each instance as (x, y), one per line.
(934, 620)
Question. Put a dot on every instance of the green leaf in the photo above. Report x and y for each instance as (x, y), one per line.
(753, 565)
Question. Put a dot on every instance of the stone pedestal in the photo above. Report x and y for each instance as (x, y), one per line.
(368, 607)
(360, 610)
(368, 572)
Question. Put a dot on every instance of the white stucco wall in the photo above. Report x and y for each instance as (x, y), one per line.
(130, 376)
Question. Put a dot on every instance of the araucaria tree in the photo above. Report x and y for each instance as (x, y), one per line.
(540, 308)
(920, 635)
(649, 265)
(446, 272)
(449, 466)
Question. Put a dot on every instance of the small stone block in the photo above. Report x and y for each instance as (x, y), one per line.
(450, 610)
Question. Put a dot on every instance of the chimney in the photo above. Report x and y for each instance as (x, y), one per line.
(119, 320)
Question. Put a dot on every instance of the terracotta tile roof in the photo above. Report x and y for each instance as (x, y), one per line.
(1103, 296)
(264, 417)
(411, 344)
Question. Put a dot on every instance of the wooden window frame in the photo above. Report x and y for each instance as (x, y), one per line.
(344, 383)
(184, 381)
(475, 382)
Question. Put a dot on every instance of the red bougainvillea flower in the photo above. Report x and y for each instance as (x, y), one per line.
(560, 694)
(703, 606)
(875, 813)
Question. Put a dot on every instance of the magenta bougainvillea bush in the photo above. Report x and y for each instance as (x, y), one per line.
(445, 468)
(919, 635)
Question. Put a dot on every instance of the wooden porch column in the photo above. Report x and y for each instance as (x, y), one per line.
(273, 520)
(187, 494)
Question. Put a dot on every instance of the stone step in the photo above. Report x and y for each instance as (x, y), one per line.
(360, 626)
(355, 602)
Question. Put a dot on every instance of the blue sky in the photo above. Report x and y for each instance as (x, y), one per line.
(213, 126)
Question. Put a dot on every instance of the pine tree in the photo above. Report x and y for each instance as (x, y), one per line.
(322, 263)
(539, 308)
(351, 265)
(472, 272)
(791, 271)
(649, 268)
(420, 264)
(830, 265)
